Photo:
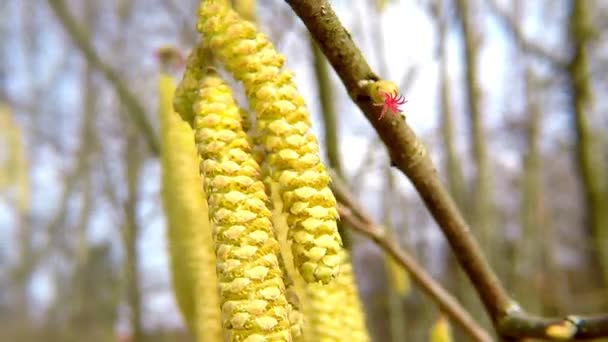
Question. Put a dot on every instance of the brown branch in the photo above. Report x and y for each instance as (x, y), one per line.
(405, 149)
(409, 155)
(358, 220)
(82, 41)
(570, 328)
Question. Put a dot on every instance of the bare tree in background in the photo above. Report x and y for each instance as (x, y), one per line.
(78, 78)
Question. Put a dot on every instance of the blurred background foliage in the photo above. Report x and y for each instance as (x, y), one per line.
(507, 95)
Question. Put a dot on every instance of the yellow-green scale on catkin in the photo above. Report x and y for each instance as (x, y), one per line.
(335, 311)
(189, 233)
(252, 292)
(283, 125)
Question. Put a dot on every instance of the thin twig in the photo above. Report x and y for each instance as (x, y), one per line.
(360, 221)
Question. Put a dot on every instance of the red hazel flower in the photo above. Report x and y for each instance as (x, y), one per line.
(391, 103)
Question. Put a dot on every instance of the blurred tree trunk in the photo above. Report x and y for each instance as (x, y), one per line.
(330, 123)
(131, 234)
(395, 295)
(458, 281)
(451, 163)
(87, 140)
(129, 99)
(528, 252)
(482, 209)
(588, 154)
(328, 112)
(87, 148)
(26, 263)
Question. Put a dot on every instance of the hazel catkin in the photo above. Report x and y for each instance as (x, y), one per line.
(254, 307)
(190, 246)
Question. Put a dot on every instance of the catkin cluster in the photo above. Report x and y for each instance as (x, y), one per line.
(261, 295)
(283, 129)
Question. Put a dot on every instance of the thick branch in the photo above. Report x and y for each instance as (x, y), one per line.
(570, 328)
(409, 155)
(406, 151)
(82, 41)
(361, 222)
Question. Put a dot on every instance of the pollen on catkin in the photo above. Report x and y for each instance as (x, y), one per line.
(188, 230)
(283, 126)
(253, 302)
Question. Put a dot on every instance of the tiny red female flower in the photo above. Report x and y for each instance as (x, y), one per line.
(391, 103)
(386, 94)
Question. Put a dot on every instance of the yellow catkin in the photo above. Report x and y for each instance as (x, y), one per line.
(330, 312)
(381, 4)
(282, 121)
(254, 307)
(441, 331)
(336, 311)
(399, 278)
(294, 283)
(189, 233)
(14, 166)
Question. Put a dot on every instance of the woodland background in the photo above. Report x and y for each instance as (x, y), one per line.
(507, 96)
